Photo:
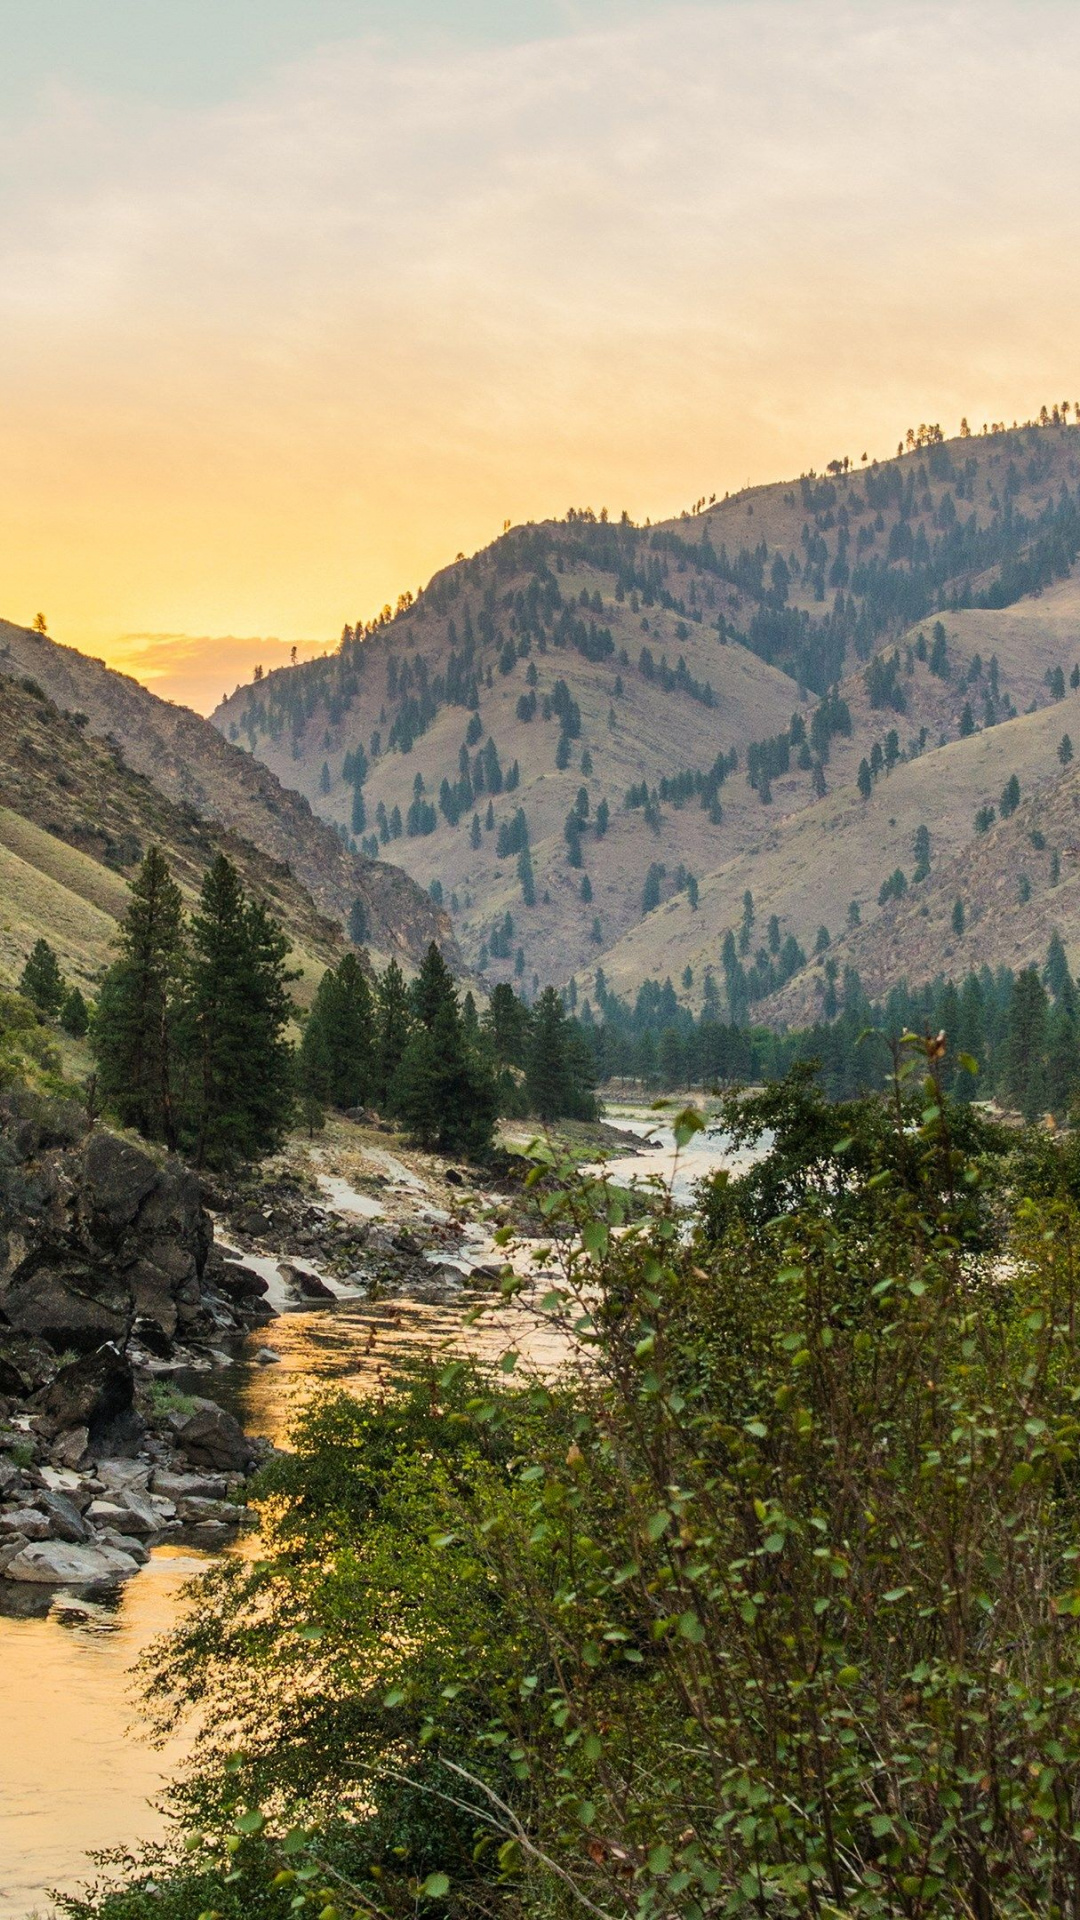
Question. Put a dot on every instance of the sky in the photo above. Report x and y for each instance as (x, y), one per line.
(300, 299)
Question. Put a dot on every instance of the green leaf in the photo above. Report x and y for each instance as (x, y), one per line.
(594, 1236)
(251, 1822)
(435, 1886)
(691, 1628)
(657, 1524)
(686, 1124)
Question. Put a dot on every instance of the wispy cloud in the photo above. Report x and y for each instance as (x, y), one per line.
(264, 364)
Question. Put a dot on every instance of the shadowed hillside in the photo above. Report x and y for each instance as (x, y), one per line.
(190, 764)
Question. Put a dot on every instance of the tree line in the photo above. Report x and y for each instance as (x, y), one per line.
(195, 1041)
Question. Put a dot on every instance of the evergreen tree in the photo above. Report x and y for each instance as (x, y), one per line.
(922, 854)
(444, 1089)
(338, 1046)
(392, 1027)
(1025, 1046)
(75, 1014)
(135, 1027)
(1065, 750)
(359, 930)
(41, 980)
(557, 1076)
(474, 832)
(359, 811)
(865, 781)
(958, 918)
(237, 1008)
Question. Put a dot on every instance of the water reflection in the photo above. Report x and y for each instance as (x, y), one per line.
(73, 1773)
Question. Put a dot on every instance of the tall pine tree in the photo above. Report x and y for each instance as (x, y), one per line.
(236, 1014)
(135, 1026)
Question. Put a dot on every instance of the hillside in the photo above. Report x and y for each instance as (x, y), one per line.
(735, 666)
(74, 822)
(191, 766)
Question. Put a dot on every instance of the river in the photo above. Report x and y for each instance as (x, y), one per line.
(76, 1771)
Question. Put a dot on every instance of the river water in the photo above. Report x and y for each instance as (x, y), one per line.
(76, 1771)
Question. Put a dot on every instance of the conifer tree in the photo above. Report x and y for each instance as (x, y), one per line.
(392, 1026)
(237, 1007)
(75, 1014)
(443, 1089)
(865, 780)
(41, 980)
(1025, 1045)
(135, 1027)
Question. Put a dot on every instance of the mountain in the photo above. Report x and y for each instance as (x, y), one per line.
(196, 777)
(717, 682)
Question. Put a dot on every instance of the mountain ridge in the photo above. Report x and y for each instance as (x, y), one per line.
(637, 657)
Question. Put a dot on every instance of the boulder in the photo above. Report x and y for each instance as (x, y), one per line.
(96, 1392)
(54, 1563)
(113, 1238)
(26, 1522)
(10, 1548)
(183, 1486)
(212, 1438)
(26, 1363)
(192, 1510)
(308, 1284)
(66, 1521)
(70, 1448)
(143, 1516)
(105, 1513)
(125, 1543)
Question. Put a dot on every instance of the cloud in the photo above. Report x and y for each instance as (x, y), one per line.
(264, 364)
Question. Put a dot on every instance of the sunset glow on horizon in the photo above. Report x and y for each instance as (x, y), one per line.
(291, 316)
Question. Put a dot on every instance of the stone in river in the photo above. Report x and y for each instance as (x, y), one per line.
(106, 1513)
(55, 1563)
(69, 1449)
(96, 1391)
(212, 1438)
(143, 1516)
(268, 1357)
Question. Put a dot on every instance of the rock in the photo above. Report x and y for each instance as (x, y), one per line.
(113, 1239)
(125, 1543)
(66, 1520)
(105, 1513)
(238, 1282)
(116, 1474)
(453, 1178)
(96, 1392)
(268, 1357)
(10, 1476)
(27, 1522)
(405, 1242)
(192, 1510)
(26, 1363)
(55, 1563)
(70, 1448)
(212, 1438)
(181, 1486)
(308, 1284)
(144, 1516)
(11, 1548)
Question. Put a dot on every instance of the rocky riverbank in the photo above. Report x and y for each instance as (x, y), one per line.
(120, 1269)
(108, 1274)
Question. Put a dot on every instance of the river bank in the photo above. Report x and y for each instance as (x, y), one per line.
(400, 1242)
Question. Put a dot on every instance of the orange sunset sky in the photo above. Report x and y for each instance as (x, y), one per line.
(298, 302)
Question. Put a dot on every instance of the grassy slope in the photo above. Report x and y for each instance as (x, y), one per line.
(192, 766)
(74, 820)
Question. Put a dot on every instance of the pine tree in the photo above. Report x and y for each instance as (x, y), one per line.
(359, 930)
(135, 1026)
(359, 811)
(865, 780)
(547, 1076)
(444, 1089)
(922, 855)
(474, 832)
(41, 980)
(393, 1024)
(237, 1008)
(75, 1014)
(958, 918)
(1025, 1045)
(1065, 750)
